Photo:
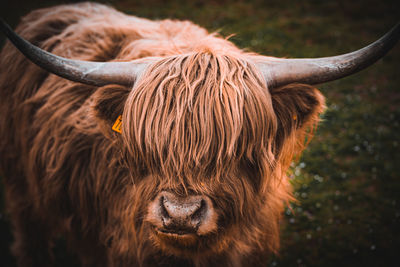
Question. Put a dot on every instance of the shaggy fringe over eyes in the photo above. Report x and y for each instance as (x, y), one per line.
(196, 115)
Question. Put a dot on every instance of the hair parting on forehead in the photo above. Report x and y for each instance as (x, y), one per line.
(196, 115)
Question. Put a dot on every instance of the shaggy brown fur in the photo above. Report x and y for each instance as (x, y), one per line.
(199, 121)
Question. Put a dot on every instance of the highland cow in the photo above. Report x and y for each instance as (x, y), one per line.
(156, 143)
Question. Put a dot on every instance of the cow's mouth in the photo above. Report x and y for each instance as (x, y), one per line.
(175, 232)
(179, 241)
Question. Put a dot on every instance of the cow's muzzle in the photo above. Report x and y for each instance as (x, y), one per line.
(180, 216)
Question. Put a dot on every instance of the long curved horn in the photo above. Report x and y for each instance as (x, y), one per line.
(88, 72)
(278, 72)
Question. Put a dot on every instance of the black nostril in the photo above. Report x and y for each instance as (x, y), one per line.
(199, 214)
(163, 211)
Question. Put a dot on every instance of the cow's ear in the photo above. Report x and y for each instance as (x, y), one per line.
(297, 107)
(108, 105)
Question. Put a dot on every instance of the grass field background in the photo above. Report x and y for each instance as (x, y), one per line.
(348, 180)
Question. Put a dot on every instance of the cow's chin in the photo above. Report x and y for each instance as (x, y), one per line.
(185, 245)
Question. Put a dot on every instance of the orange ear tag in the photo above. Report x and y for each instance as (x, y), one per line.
(117, 127)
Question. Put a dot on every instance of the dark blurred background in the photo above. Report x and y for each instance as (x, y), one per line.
(347, 181)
